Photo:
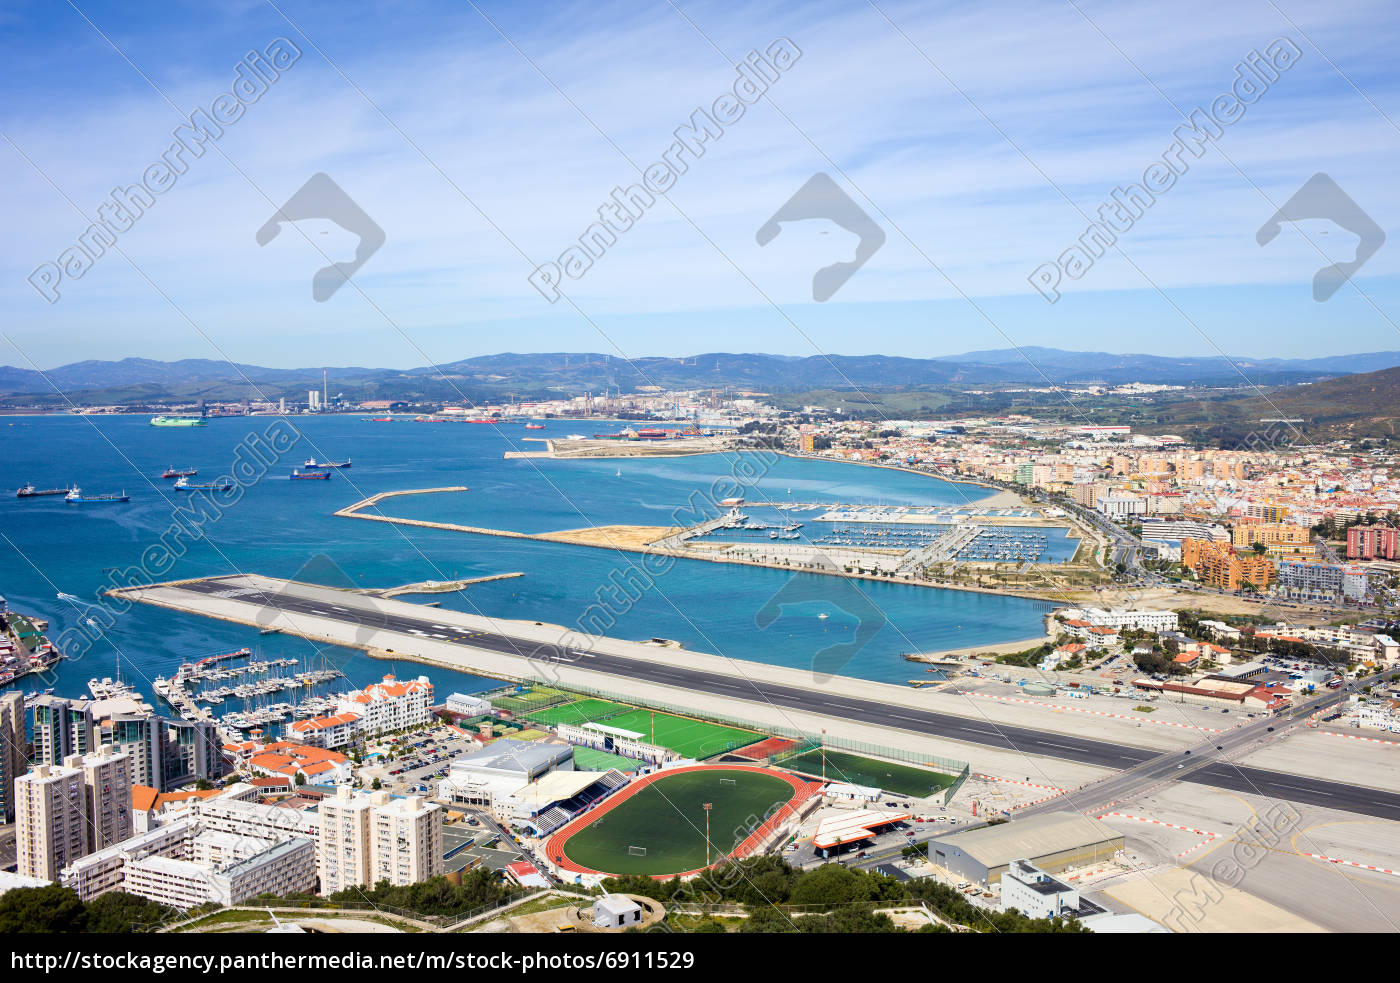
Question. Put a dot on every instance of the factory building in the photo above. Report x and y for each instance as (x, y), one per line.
(1052, 842)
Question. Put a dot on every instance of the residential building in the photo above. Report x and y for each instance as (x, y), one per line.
(62, 727)
(106, 796)
(1373, 543)
(13, 762)
(367, 838)
(390, 705)
(51, 826)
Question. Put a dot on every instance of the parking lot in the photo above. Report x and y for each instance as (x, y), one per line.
(419, 760)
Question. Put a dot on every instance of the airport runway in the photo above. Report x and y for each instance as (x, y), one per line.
(1237, 778)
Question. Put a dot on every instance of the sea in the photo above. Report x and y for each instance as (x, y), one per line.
(56, 558)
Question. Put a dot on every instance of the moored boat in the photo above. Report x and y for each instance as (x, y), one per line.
(311, 476)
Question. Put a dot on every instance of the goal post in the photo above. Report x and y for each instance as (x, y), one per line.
(637, 851)
(729, 781)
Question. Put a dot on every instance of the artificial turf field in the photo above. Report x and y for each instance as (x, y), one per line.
(842, 766)
(578, 712)
(667, 818)
(591, 759)
(687, 737)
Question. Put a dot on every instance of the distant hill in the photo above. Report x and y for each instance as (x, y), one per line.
(1353, 406)
(490, 377)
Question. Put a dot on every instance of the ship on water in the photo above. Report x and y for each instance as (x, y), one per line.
(534, 426)
(313, 465)
(179, 472)
(75, 496)
(178, 421)
(29, 491)
(184, 485)
(311, 476)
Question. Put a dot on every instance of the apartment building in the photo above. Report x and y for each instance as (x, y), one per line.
(166, 754)
(367, 838)
(62, 727)
(390, 705)
(106, 796)
(1323, 582)
(1373, 543)
(51, 827)
(407, 835)
(13, 762)
(1220, 566)
(104, 870)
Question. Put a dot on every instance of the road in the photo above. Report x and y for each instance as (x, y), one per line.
(1138, 762)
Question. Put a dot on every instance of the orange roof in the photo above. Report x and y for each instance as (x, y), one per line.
(324, 723)
(143, 798)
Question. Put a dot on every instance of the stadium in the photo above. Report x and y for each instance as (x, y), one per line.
(657, 825)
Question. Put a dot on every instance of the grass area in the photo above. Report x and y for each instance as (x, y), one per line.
(578, 712)
(891, 776)
(687, 737)
(667, 819)
(591, 759)
(1145, 709)
(531, 699)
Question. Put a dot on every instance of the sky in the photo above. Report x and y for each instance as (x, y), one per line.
(481, 138)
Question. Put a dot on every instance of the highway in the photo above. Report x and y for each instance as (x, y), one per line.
(1140, 763)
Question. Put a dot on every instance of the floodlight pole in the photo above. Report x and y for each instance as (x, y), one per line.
(707, 833)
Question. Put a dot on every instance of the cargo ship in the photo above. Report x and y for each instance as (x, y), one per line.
(534, 426)
(184, 485)
(178, 421)
(75, 496)
(179, 472)
(311, 476)
(29, 491)
(313, 465)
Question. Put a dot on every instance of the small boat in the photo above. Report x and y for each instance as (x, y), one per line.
(179, 473)
(178, 421)
(184, 485)
(29, 491)
(823, 616)
(312, 476)
(76, 497)
(534, 426)
(313, 465)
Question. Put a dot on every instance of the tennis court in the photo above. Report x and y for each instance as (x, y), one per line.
(891, 776)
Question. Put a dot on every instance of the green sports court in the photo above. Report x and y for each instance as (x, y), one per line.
(854, 769)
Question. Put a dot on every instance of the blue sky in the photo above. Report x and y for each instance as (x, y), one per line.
(482, 140)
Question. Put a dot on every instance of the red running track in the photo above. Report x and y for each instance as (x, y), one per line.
(801, 792)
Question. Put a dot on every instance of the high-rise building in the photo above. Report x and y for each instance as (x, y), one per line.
(407, 837)
(13, 761)
(107, 796)
(51, 827)
(367, 838)
(345, 855)
(166, 754)
(62, 727)
(1373, 543)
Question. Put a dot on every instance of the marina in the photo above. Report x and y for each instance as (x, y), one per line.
(185, 690)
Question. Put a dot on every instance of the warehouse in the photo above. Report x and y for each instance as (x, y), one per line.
(1052, 841)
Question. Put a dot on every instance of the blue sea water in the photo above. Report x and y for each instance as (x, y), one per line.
(285, 528)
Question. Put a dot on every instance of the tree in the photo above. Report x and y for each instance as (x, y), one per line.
(301, 778)
(41, 909)
(117, 912)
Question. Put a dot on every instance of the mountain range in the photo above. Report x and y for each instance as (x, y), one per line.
(135, 380)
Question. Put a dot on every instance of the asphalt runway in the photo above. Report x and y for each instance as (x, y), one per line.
(1236, 778)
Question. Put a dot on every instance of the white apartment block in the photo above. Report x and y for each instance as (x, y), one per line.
(344, 841)
(389, 705)
(407, 836)
(283, 868)
(104, 871)
(334, 731)
(107, 796)
(1120, 618)
(367, 838)
(51, 826)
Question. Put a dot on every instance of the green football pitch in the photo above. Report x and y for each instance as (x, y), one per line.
(841, 766)
(578, 712)
(590, 759)
(666, 820)
(687, 737)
